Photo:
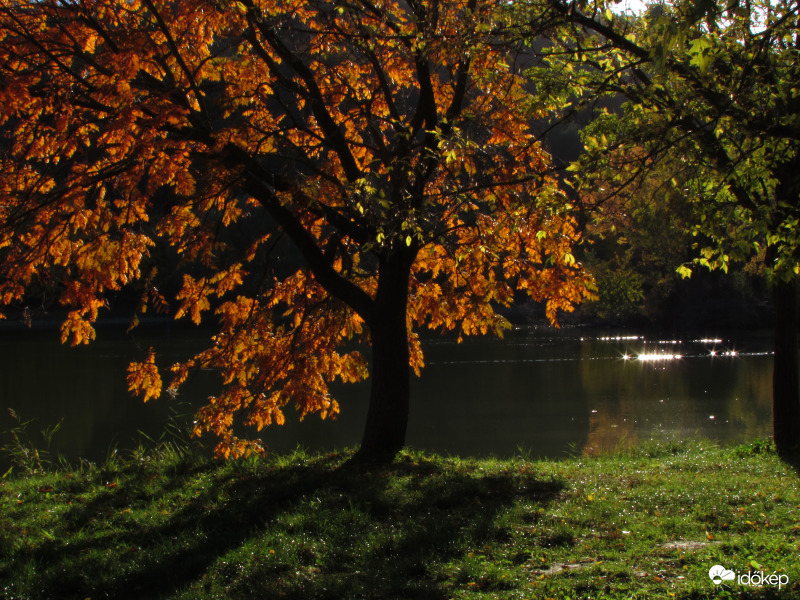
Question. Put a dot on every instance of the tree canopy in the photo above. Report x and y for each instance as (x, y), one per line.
(712, 90)
(388, 142)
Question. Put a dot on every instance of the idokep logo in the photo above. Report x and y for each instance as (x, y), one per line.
(718, 574)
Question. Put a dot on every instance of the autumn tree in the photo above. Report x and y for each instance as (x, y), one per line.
(713, 94)
(389, 142)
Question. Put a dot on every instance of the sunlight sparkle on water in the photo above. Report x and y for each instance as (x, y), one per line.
(652, 357)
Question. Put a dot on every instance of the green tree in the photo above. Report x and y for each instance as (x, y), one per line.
(636, 238)
(388, 142)
(713, 92)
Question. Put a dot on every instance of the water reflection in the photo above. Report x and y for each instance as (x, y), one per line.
(549, 393)
(561, 393)
(675, 388)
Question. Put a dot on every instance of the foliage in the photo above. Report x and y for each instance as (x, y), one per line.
(713, 95)
(646, 523)
(638, 237)
(388, 142)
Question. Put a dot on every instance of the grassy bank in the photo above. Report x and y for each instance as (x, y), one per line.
(646, 524)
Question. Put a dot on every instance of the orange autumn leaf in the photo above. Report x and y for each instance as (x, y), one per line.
(144, 379)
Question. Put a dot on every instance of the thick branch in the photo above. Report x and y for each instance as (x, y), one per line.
(320, 266)
(316, 101)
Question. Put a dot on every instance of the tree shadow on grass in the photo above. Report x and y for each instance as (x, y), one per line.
(304, 531)
(791, 459)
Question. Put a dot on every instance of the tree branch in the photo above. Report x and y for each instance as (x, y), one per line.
(320, 266)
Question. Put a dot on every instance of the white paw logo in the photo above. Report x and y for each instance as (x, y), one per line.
(718, 574)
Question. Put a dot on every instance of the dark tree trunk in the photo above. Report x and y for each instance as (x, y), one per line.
(387, 416)
(785, 381)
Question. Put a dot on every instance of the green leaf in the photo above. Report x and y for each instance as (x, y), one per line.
(701, 57)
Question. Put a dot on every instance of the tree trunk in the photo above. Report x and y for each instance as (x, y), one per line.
(387, 416)
(785, 381)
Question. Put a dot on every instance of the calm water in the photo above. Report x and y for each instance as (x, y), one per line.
(548, 393)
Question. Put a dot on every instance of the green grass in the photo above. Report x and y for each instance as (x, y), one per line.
(648, 523)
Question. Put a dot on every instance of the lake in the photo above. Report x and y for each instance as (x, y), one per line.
(542, 391)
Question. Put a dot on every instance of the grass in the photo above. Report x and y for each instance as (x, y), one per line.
(646, 523)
